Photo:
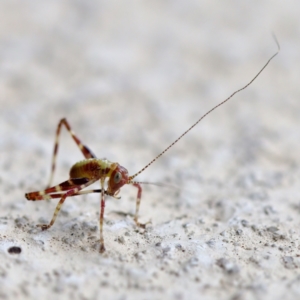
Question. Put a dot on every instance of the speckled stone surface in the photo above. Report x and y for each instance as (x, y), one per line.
(131, 76)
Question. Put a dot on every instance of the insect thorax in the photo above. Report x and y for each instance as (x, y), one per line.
(92, 168)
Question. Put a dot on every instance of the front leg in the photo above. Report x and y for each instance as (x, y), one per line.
(102, 207)
(138, 202)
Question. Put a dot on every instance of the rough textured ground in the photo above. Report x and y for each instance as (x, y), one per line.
(131, 76)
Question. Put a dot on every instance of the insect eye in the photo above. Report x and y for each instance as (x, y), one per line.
(117, 177)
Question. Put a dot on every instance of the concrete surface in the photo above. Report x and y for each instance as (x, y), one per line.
(130, 76)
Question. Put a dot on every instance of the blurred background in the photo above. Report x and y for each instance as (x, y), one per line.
(139, 73)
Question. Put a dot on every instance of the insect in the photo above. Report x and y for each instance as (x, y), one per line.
(112, 176)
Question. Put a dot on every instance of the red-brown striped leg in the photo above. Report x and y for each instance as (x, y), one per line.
(138, 202)
(64, 186)
(84, 149)
(62, 200)
(102, 247)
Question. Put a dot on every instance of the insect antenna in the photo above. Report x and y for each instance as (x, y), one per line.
(167, 185)
(207, 113)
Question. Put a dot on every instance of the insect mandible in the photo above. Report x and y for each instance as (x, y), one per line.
(110, 174)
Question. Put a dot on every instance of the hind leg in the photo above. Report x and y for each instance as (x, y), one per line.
(84, 149)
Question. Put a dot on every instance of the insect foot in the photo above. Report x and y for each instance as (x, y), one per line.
(43, 226)
(102, 248)
(142, 225)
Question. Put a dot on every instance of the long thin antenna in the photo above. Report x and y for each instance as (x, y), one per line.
(221, 103)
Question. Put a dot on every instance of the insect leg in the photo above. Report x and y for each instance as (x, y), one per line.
(58, 195)
(102, 247)
(69, 193)
(84, 149)
(64, 186)
(138, 202)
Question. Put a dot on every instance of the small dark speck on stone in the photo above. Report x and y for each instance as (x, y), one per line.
(179, 247)
(121, 240)
(14, 250)
(211, 243)
(239, 232)
(269, 210)
(289, 262)
(245, 223)
(22, 221)
(227, 265)
(272, 229)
